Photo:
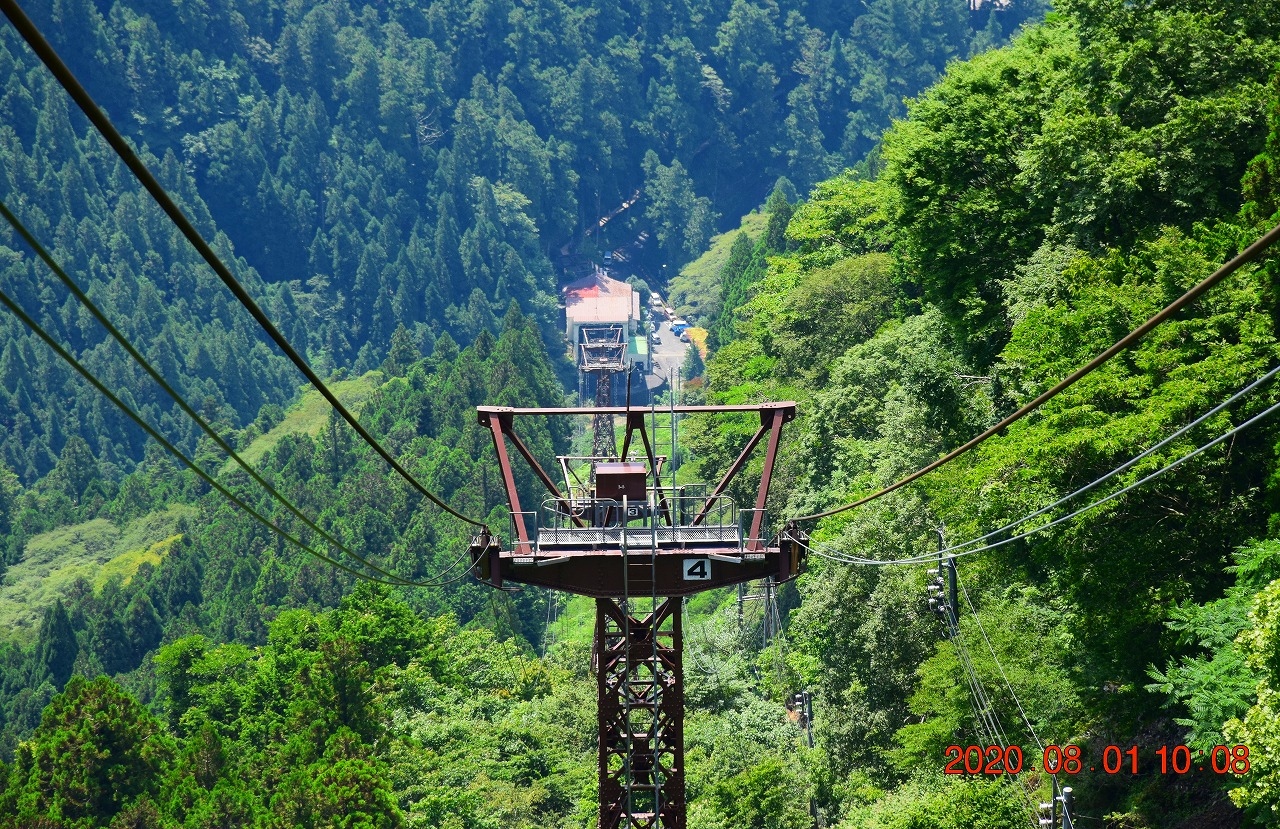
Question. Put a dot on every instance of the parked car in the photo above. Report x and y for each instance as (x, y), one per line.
(684, 336)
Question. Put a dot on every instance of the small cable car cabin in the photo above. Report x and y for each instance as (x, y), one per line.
(613, 527)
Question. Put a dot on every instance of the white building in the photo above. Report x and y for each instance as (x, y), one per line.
(600, 300)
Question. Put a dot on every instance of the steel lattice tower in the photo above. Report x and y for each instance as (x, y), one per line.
(637, 547)
(602, 353)
(640, 693)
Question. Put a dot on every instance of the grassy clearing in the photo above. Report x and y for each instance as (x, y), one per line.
(95, 551)
(310, 414)
(695, 292)
(127, 563)
(577, 620)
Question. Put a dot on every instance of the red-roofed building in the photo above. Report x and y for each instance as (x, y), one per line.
(599, 300)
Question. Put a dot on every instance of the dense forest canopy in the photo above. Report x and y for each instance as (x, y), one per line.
(424, 166)
(1038, 203)
(402, 186)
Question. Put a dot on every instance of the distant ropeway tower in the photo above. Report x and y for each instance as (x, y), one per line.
(618, 533)
(601, 354)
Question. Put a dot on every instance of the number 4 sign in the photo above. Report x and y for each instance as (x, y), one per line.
(697, 569)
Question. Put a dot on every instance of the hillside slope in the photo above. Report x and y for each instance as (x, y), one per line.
(1037, 204)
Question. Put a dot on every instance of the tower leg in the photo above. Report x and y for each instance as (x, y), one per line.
(640, 688)
(603, 442)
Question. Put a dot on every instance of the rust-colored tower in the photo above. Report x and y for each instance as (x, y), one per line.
(617, 534)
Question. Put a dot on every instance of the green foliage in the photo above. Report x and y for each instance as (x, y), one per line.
(1214, 683)
(94, 551)
(1261, 185)
(746, 265)
(950, 805)
(386, 182)
(1012, 148)
(844, 216)
(762, 797)
(829, 311)
(370, 715)
(222, 579)
(383, 170)
(695, 293)
(397, 178)
(693, 364)
(57, 648)
(683, 220)
(1259, 642)
(402, 353)
(95, 753)
(1038, 203)
(1034, 644)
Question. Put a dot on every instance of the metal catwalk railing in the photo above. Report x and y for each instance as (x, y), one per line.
(599, 523)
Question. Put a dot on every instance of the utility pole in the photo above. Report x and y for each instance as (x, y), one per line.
(943, 589)
(1049, 811)
(803, 702)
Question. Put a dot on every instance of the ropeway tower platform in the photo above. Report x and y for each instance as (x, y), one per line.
(613, 530)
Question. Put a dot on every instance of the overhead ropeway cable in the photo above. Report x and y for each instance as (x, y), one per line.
(964, 549)
(1094, 484)
(1249, 254)
(182, 404)
(49, 57)
(71, 360)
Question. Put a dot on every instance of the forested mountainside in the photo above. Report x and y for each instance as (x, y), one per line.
(389, 182)
(1034, 205)
(1038, 203)
(416, 165)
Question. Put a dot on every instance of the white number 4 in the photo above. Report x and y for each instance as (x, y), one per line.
(697, 569)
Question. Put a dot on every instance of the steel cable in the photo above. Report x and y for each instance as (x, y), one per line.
(959, 550)
(173, 450)
(1249, 254)
(49, 57)
(182, 404)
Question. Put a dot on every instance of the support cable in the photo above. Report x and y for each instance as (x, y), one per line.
(959, 550)
(1129, 463)
(1249, 254)
(986, 721)
(31, 34)
(984, 699)
(991, 649)
(155, 375)
(1003, 676)
(17, 311)
(986, 710)
(1001, 738)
